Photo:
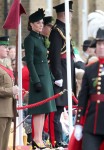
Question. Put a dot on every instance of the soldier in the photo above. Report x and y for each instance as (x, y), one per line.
(87, 50)
(57, 56)
(91, 101)
(48, 23)
(11, 56)
(7, 90)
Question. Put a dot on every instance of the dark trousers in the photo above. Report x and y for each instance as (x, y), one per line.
(55, 126)
(91, 141)
(29, 137)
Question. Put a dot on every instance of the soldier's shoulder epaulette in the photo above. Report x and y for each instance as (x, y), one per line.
(60, 31)
(91, 64)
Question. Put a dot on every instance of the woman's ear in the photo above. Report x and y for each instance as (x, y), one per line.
(31, 24)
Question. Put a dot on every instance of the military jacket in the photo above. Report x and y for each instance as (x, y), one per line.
(6, 94)
(91, 100)
(58, 63)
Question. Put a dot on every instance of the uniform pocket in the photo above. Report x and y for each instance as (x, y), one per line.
(7, 79)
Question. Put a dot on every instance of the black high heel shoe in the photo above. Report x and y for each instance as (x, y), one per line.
(34, 146)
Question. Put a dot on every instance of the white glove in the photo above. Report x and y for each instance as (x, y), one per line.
(78, 132)
(15, 90)
(59, 82)
(79, 73)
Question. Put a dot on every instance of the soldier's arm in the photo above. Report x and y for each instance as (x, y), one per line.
(83, 100)
(55, 50)
(29, 51)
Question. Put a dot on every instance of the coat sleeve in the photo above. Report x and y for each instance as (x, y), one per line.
(54, 54)
(29, 51)
(80, 65)
(83, 100)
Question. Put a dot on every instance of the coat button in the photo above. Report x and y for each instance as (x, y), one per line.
(42, 60)
(79, 110)
(100, 70)
(99, 78)
(98, 93)
(101, 65)
(99, 74)
(99, 83)
(98, 101)
(98, 87)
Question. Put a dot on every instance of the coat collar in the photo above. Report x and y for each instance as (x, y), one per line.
(60, 23)
(101, 60)
(35, 34)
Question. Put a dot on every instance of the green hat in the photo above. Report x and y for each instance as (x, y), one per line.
(4, 40)
(48, 20)
(61, 7)
(36, 16)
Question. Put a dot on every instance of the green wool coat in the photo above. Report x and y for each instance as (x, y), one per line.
(36, 58)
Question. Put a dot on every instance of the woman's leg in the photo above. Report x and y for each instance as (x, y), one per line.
(42, 126)
(38, 124)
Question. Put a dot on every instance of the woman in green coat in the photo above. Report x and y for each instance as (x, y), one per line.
(40, 77)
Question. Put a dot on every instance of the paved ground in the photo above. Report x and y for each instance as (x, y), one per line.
(30, 148)
(54, 149)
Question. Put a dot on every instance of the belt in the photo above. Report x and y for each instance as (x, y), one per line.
(96, 97)
(63, 56)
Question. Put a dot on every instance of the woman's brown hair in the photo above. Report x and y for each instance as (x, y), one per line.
(29, 26)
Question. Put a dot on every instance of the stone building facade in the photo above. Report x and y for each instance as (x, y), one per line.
(32, 5)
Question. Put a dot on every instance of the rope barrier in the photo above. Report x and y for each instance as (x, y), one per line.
(43, 101)
(75, 99)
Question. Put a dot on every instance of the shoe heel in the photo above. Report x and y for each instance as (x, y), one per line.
(35, 145)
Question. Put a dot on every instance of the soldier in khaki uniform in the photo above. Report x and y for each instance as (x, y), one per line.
(7, 90)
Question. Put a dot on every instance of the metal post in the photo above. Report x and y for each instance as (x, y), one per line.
(20, 84)
(69, 86)
(84, 20)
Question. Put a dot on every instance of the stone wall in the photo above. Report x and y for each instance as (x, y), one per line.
(99, 5)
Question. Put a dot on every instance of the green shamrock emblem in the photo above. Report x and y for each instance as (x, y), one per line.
(46, 42)
(95, 82)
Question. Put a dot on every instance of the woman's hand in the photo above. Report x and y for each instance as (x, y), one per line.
(38, 87)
